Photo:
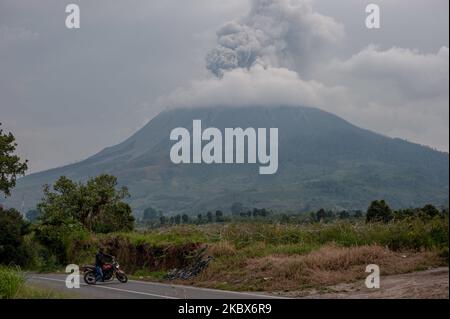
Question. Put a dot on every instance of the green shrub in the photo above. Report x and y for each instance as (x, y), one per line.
(11, 280)
(59, 239)
(12, 229)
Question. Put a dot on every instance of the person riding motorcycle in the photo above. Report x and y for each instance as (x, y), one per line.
(99, 262)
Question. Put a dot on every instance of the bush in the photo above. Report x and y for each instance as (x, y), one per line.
(12, 229)
(59, 239)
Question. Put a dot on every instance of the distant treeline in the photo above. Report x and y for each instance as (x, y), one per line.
(378, 211)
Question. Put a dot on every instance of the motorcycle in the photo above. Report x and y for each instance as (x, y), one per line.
(110, 270)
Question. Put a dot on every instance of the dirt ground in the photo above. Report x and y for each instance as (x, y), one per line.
(428, 284)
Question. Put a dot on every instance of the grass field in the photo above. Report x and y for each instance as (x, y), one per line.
(257, 255)
(261, 256)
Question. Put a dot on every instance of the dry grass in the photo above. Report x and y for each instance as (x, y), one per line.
(222, 249)
(326, 266)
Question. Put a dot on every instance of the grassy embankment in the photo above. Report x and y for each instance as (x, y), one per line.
(13, 286)
(259, 256)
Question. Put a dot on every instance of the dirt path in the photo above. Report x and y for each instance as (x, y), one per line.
(433, 283)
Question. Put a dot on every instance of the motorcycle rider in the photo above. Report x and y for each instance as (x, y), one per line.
(99, 262)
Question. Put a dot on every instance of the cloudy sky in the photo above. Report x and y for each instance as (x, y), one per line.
(66, 94)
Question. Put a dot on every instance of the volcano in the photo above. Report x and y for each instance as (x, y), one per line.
(324, 161)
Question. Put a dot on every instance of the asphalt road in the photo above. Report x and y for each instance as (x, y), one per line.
(135, 289)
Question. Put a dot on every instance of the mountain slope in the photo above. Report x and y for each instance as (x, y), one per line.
(324, 161)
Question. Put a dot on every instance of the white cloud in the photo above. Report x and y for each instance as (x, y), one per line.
(257, 86)
(398, 92)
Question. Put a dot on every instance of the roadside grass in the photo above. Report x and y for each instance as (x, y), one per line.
(179, 235)
(265, 256)
(28, 291)
(299, 238)
(143, 274)
(268, 257)
(13, 286)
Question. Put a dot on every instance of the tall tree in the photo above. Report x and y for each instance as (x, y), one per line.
(11, 165)
(379, 211)
(97, 205)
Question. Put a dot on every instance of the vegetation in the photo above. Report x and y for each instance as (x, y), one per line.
(291, 255)
(73, 210)
(253, 248)
(96, 205)
(13, 228)
(13, 286)
(11, 165)
(11, 280)
(379, 211)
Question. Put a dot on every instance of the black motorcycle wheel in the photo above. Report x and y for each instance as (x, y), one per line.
(90, 278)
(122, 277)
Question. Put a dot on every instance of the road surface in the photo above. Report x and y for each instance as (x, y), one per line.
(135, 289)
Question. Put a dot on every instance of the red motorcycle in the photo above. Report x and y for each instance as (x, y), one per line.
(110, 270)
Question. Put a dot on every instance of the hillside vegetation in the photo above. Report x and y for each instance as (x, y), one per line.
(324, 161)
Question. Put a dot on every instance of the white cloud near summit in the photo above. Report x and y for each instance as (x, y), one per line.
(257, 86)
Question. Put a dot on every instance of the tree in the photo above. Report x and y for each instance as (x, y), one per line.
(264, 212)
(378, 211)
(177, 219)
(321, 214)
(358, 214)
(117, 218)
(12, 229)
(199, 218)
(219, 216)
(237, 209)
(162, 220)
(96, 205)
(344, 214)
(11, 165)
(209, 217)
(429, 211)
(185, 218)
(404, 213)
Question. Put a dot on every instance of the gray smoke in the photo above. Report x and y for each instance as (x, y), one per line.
(278, 33)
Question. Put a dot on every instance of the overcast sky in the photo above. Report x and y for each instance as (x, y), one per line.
(66, 94)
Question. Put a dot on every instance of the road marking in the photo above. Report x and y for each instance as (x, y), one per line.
(262, 296)
(111, 288)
